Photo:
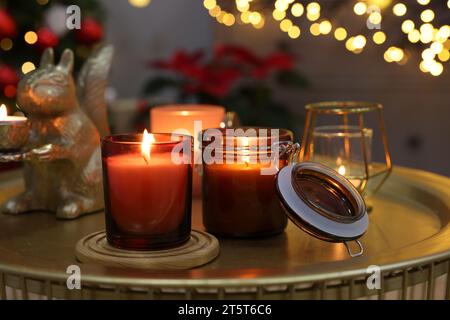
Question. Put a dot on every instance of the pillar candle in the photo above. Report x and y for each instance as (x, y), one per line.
(167, 119)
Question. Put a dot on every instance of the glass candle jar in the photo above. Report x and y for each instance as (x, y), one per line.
(148, 190)
(239, 197)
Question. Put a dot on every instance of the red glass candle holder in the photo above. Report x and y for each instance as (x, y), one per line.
(238, 199)
(147, 197)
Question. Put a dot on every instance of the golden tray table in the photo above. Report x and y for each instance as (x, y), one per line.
(408, 238)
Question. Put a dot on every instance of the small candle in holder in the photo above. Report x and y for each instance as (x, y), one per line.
(13, 131)
(147, 194)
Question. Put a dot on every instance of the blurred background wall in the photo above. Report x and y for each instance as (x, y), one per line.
(417, 106)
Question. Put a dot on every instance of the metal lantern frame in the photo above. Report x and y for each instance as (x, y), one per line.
(344, 109)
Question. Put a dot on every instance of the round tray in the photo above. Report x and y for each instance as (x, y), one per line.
(408, 238)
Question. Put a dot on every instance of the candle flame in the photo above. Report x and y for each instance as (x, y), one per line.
(147, 140)
(341, 170)
(3, 112)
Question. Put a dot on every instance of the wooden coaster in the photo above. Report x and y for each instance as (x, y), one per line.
(201, 248)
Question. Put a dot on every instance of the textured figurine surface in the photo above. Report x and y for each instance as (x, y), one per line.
(62, 162)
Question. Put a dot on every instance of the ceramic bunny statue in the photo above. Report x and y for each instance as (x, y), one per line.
(62, 163)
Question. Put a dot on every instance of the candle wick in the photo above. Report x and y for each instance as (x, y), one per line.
(145, 159)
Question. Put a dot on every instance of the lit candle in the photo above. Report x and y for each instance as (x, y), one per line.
(147, 195)
(13, 131)
(190, 117)
(343, 171)
(238, 199)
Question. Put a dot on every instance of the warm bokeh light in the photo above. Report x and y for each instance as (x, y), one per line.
(394, 54)
(245, 17)
(297, 9)
(31, 37)
(414, 36)
(399, 9)
(313, 8)
(379, 37)
(229, 19)
(260, 24)
(294, 32)
(214, 12)
(444, 55)
(6, 44)
(428, 54)
(437, 47)
(340, 34)
(380, 3)
(427, 15)
(426, 33)
(312, 16)
(325, 27)
(28, 67)
(349, 44)
(436, 69)
(209, 4)
(420, 25)
(359, 42)
(285, 25)
(139, 3)
(375, 17)
(255, 17)
(278, 15)
(360, 8)
(408, 26)
(423, 2)
(315, 29)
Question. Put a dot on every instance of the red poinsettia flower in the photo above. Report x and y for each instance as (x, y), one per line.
(277, 61)
(218, 81)
(280, 61)
(238, 54)
(182, 62)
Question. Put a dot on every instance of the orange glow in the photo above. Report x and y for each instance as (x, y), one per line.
(147, 140)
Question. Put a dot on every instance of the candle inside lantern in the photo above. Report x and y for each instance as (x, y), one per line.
(343, 171)
(13, 131)
(147, 195)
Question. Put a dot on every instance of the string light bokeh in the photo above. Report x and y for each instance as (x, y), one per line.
(417, 22)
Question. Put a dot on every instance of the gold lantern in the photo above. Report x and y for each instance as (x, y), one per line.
(346, 146)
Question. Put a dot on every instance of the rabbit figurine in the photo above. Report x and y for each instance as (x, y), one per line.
(62, 161)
